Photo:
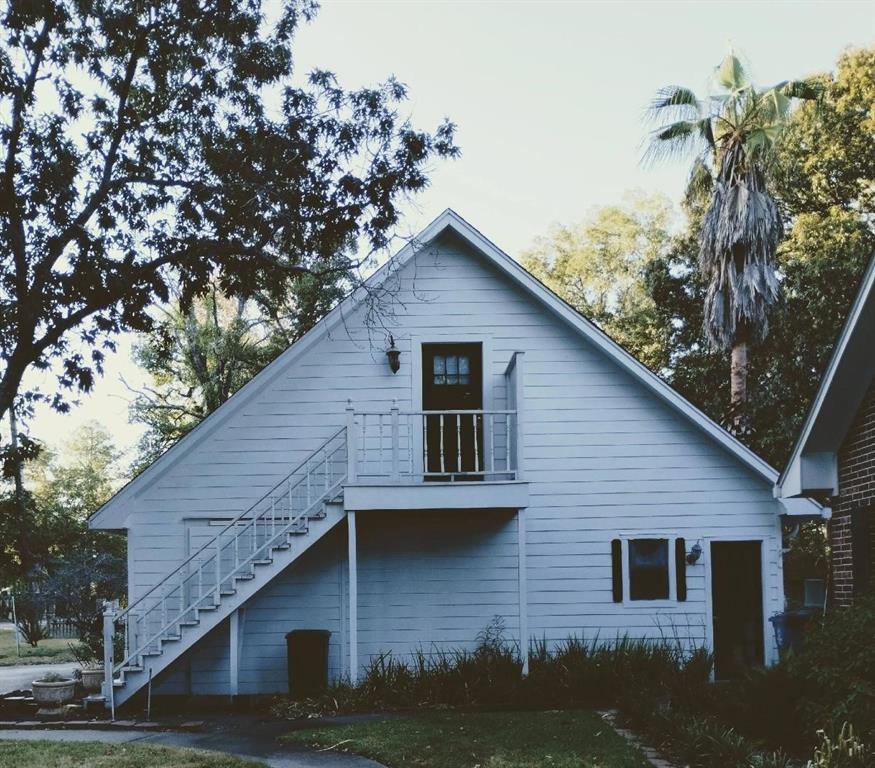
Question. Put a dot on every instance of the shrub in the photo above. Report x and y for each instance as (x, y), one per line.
(835, 673)
(30, 609)
(82, 580)
(53, 677)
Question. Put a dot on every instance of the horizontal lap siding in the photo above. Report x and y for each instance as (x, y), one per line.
(603, 456)
(434, 580)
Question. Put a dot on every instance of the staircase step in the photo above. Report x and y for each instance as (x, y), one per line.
(262, 562)
(228, 592)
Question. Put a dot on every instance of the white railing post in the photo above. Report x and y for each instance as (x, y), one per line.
(217, 598)
(396, 440)
(351, 444)
(109, 611)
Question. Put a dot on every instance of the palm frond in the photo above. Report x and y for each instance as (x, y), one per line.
(699, 184)
(731, 73)
(678, 139)
(673, 103)
(739, 239)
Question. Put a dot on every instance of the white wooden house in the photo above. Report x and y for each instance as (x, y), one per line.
(518, 463)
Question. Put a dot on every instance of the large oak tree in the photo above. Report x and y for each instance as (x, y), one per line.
(149, 145)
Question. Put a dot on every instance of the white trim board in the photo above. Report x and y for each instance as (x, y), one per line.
(113, 513)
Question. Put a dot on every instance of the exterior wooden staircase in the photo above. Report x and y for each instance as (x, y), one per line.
(251, 550)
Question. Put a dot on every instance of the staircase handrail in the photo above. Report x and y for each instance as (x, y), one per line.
(230, 525)
(133, 654)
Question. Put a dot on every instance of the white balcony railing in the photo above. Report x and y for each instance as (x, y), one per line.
(416, 446)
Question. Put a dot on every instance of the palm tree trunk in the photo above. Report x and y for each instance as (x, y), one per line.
(739, 413)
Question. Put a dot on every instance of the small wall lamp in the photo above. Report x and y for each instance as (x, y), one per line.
(694, 554)
(394, 355)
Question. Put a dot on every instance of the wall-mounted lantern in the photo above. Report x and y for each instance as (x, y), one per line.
(394, 355)
(694, 554)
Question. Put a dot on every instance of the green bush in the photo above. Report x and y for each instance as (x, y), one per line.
(835, 673)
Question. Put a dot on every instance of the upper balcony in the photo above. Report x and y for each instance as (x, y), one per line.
(438, 459)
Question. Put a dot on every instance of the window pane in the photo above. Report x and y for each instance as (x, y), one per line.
(648, 569)
(464, 364)
(439, 365)
(452, 369)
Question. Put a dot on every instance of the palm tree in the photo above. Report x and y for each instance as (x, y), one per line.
(732, 134)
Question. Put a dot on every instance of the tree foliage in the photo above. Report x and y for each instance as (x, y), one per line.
(599, 267)
(155, 144)
(65, 488)
(823, 175)
(732, 133)
(197, 357)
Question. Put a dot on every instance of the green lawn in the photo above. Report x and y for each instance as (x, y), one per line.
(564, 739)
(93, 754)
(47, 652)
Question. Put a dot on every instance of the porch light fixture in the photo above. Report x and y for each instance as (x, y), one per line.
(694, 554)
(394, 355)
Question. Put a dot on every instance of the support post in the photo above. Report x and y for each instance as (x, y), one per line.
(353, 599)
(519, 403)
(234, 653)
(523, 587)
(351, 444)
(109, 612)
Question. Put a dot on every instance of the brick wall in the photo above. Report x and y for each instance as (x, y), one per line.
(855, 503)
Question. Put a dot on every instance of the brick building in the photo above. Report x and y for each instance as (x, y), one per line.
(834, 457)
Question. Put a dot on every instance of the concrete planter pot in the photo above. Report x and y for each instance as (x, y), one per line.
(92, 679)
(53, 694)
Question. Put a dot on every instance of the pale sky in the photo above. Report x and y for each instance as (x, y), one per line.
(548, 98)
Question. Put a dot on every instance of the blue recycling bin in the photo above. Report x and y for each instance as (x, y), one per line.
(789, 629)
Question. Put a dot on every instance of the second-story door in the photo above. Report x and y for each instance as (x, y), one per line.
(452, 383)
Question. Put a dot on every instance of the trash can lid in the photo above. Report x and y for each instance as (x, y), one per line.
(314, 632)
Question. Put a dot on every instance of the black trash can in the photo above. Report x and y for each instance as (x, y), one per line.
(307, 653)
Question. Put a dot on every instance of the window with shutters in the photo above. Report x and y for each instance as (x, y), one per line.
(649, 568)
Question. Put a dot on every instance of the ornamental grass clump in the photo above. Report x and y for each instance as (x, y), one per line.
(573, 673)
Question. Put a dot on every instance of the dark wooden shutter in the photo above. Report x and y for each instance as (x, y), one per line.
(861, 550)
(680, 564)
(617, 569)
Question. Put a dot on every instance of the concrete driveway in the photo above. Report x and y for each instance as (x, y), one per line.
(22, 675)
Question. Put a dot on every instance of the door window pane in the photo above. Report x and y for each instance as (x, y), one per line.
(464, 370)
(451, 369)
(648, 569)
(439, 368)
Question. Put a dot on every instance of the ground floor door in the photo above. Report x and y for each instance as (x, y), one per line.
(737, 594)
